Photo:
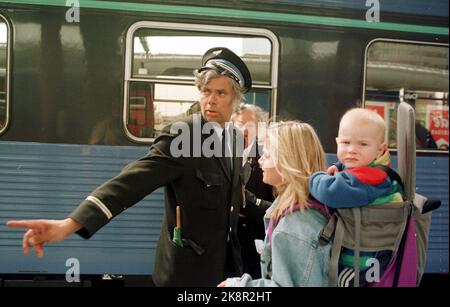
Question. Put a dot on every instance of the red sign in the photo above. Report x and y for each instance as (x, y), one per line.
(438, 126)
(377, 108)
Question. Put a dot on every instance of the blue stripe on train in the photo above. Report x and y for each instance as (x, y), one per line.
(49, 180)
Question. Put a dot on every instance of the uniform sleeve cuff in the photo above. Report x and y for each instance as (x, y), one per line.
(91, 217)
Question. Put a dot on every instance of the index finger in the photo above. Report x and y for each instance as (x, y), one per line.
(24, 224)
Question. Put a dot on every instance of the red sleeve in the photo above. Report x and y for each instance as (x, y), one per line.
(368, 175)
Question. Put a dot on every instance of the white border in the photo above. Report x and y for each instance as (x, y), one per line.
(391, 40)
(199, 28)
(8, 73)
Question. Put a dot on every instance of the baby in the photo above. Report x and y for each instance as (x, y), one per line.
(357, 180)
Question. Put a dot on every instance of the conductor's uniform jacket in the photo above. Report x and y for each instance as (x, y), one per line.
(208, 192)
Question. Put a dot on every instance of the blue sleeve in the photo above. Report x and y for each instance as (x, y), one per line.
(343, 190)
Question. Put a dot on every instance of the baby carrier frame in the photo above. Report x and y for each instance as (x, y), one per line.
(401, 227)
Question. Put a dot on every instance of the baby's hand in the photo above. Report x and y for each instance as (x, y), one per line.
(332, 170)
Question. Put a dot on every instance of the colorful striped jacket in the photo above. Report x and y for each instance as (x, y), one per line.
(356, 187)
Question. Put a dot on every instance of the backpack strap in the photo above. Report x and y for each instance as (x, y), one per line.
(336, 226)
(393, 175)
(313, 204)
(357, 259)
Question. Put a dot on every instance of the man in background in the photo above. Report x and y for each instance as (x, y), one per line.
(259, 195)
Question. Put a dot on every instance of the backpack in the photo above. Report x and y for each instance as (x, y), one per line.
(400, 228)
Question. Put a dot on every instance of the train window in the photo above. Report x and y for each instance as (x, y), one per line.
(3, 74)
(415, 73)
(161, 58)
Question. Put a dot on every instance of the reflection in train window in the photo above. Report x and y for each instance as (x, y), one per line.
(3, 74)
(160, 83)
(415, 73)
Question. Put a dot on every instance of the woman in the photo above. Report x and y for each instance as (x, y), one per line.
(291, 255)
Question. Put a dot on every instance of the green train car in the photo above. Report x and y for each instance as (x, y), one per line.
(86, 86)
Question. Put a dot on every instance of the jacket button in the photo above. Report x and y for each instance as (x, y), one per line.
(231, 209)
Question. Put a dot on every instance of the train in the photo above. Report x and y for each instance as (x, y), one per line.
(86, 86)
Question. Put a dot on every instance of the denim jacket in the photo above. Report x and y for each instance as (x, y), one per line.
(294, 258)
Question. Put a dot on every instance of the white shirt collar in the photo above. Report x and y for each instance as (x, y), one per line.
(218, 129)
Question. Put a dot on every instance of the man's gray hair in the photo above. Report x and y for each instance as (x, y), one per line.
(204, 77)
(261, 116)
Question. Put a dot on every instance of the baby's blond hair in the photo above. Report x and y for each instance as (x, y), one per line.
(366, 116)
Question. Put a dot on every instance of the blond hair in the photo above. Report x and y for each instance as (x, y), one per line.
(298, 153)
(364, 117)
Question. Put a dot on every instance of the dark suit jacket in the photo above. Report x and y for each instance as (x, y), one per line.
(253, 181)
(209, 197)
